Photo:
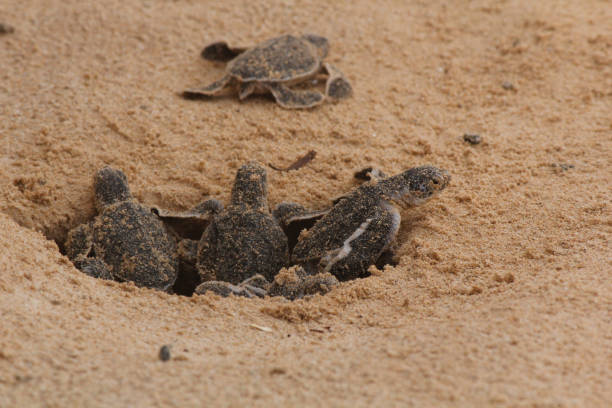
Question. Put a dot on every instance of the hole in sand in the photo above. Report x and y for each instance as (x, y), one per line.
(188, 277)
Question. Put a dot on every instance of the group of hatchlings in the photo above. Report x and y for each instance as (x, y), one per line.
(246, 249)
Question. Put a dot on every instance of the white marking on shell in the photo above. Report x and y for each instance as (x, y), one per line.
(342, 252)
(395, 222)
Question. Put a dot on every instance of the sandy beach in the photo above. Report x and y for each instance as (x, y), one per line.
(502, 295)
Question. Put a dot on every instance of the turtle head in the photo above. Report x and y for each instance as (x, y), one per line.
(110, 186)
(320, 43)
(415, 186)
(251, 187)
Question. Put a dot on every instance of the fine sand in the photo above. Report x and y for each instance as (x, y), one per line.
(502, 295)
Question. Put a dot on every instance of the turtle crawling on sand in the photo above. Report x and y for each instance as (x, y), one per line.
(362, 224)
(273, 66)
(125, 242)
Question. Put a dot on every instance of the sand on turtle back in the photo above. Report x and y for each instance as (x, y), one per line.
(280, 59)
(347, 215)
(364, 223)
(244, 239)
(356, 225)
(242, 242)
(126, 241)
(136, 245)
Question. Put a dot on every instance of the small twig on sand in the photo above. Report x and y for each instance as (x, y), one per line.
(299, 163)
(262, 328)
(6, 29)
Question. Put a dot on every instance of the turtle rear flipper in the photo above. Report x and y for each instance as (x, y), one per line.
(209, 90)
(291, 99)
(207, 254)
(337, 86)
(220, 51)
(290, 214)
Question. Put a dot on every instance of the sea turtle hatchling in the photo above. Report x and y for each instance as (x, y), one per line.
(244, 239)
(273, 66)
(362, 224)
(125, 241)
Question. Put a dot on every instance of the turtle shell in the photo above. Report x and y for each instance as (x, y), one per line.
(135, 245)
(279, 59)
(240, 243)
(335, 227)
(357, 225)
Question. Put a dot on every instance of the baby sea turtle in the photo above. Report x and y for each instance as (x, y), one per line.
(125, 242)
(361, 225)
(243, 239)
(273, 66)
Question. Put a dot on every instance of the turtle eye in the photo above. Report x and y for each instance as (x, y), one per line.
(435, 182)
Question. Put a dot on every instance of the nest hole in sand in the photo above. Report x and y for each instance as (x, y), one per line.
(188, 277)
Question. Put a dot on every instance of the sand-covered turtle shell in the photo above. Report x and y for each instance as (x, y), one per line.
(135, 245)
(280, 59)
(242, 242)
(126, 241)
(362, 224)
(344, 228)
(244, 239)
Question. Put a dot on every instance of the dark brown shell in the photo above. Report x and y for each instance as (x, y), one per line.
(135, 245)
(240, 243)
(279, 59)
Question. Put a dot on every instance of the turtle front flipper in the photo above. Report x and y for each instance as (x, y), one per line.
(257, 285)
(79, 246)
(288, 213)
(209, 90)
(337, 86)
(291, 99)
(388, 257)
(295, 283)
(220, 51)
(79, 242)
(191, 223)
(246, 89)
(293, 218)
(370, 173)
(94, 267)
